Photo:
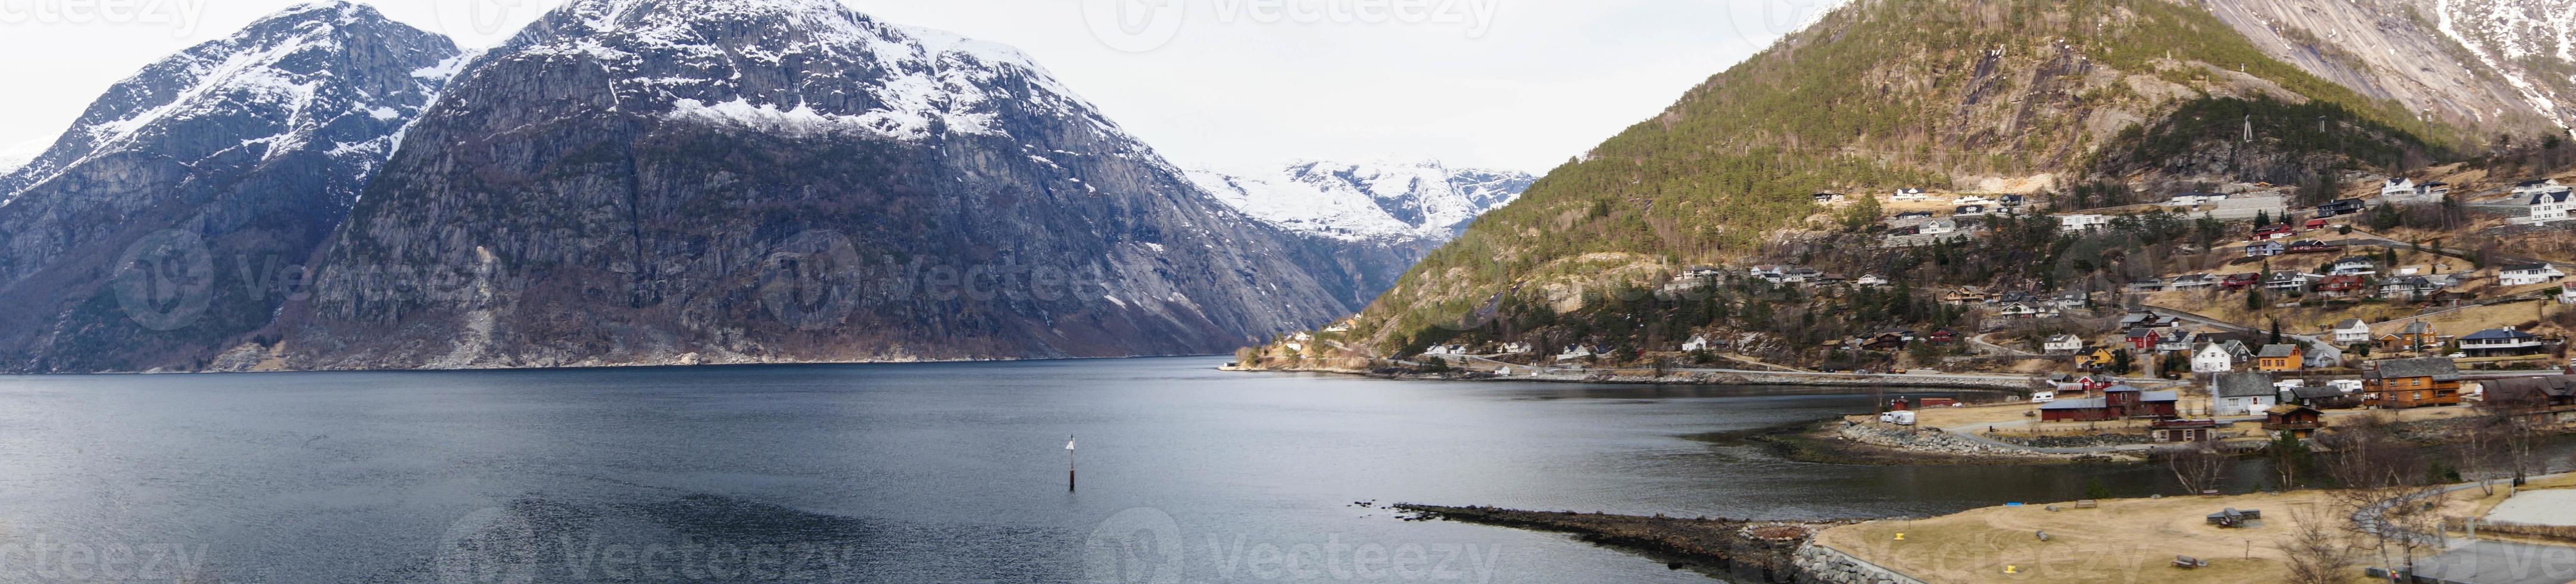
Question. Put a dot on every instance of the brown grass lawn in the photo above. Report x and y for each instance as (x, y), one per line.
(2126, 540)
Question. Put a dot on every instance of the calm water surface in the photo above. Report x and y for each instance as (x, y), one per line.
(897, 473)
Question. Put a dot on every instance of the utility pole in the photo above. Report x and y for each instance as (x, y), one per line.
(1068, 463)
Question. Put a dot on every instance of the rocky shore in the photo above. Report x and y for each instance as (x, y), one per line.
(1649, 377)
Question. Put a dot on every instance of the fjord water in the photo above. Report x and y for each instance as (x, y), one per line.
(897, 473)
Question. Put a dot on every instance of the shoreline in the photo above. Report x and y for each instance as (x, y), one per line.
(1718, 547)
(1999, 383)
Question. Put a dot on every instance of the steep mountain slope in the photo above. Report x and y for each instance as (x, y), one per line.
(655, 181)
(244, 153)
(2485, 66)
(1390, 202)
(1976, 95)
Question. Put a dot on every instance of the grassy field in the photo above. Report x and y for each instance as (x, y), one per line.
(2127, 540)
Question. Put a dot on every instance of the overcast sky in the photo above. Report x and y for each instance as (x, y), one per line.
(1230, 83)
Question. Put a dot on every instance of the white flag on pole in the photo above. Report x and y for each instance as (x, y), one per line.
(1068, 443)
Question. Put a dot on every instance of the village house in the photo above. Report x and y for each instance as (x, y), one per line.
(1698, 343)
(2264, 249)
(2549, 207)
(2144, 339)
(1575, 353)
(1518, 348)
(2325, 397)
(2397, 186)
(2117, 402)
(2182, 431)
(2502, 342)
(2309, 246)
(2063, 344)
(1968, 211)
(2341, 207)
(2355, 266)
(2218, 357)
(2548, 394)
(2297, 421)
(1827, 198)
(2325, 356)
(2243, 393)
(2192, 282)
(2147, 285)
(2407, 287)
(2567, 293)
(2416, 336)
(2525, 188)
(2177, 342)
(2282, 357)
(2398, 384)
(1870, 280)
(2343, 286)
(2013, 200)
(2528, 274)
(1942, 337)
(2082, 222)
(1966, 295)
(2351, 331)
(1908, 195)
(2070, 300)
(1938, 227)
(2235, 282)
(2100, 357)
(1909, 215)
(2287, 281)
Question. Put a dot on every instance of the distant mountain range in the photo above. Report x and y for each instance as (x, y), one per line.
(632, 182)
(1394, 202)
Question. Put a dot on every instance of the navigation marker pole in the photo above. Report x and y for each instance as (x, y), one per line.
(1068, 463)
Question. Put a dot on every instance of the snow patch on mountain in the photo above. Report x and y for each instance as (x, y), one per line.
(1384, 201)
(914, 82)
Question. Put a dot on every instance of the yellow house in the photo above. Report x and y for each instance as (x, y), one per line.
(2099, 357)
(2289, 357)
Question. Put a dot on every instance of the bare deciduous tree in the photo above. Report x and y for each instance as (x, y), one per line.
(2317, 553)
(2196, 467)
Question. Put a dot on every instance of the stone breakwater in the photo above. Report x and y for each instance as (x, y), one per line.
(1825, 565)
(1931, 440)
(1741, 550)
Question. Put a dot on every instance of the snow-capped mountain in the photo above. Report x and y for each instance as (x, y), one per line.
(254, 145)
(1381, 201)
(620, 181)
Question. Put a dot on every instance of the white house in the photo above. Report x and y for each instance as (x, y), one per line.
(2243, 393)
(2195, 199)
(2527, 274)
(2063, 344)
(1907, 195)
(2356, 266)
(1574, 353)
(2567, 293)
(2213, 358)
(2537, 186)
(1939, 227)
(2351, 330)
(1517, 348)
(2082, 222)
(1697, 343)
(1974, 200)
(1870, 280)
(2397, 187)
(2549, 207)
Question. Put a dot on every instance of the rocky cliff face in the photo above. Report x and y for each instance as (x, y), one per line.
(655, 181)
(2485, 66)
(241, 153)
